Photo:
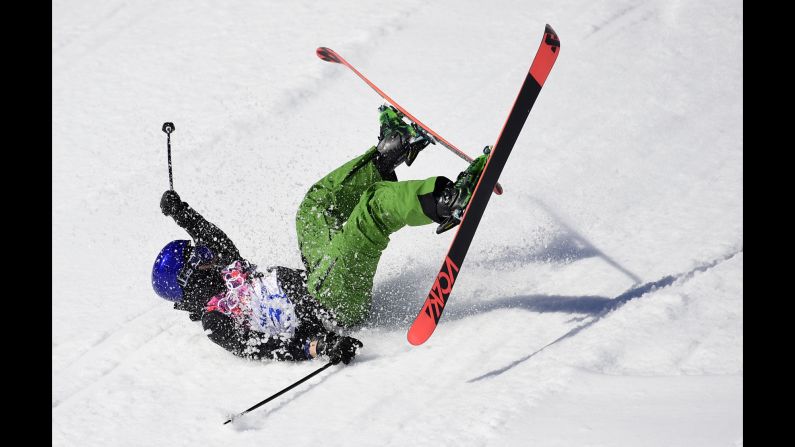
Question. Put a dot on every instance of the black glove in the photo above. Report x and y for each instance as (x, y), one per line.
(338, 348)
(170, 202)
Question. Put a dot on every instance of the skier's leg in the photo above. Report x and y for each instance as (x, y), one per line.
(330, 201)
(343, 279)
(328, 204)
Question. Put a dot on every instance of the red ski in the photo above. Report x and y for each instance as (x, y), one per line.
(431, 312)
(329, 55)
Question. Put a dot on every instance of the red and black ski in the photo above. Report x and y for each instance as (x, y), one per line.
(329, 55)
(431, 311)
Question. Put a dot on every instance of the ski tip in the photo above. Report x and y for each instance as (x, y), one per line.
(328, 55)
(548, 52)
(551, 37)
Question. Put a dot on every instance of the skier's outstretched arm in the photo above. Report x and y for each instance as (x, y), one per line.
(201, 230)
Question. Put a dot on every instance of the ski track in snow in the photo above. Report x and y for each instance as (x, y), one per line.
(568, 326)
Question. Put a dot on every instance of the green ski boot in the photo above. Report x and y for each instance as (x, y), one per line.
(454, 199)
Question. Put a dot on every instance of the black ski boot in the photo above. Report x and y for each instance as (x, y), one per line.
(453, 198)
(398, 141)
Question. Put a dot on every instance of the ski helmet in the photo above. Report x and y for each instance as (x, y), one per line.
(167, 268)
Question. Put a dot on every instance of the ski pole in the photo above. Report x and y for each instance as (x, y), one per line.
(168, 128)
(280, 392)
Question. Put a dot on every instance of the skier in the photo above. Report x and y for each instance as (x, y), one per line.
(343, 226)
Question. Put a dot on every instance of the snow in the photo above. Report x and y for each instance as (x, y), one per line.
(601, 302)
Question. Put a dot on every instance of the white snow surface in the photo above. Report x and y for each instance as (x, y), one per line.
(601, 302)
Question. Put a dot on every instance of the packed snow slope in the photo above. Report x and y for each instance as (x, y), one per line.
(601, 302)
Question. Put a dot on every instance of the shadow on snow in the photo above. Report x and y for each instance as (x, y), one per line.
(610, 305)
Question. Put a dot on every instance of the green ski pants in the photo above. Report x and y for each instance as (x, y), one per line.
(343, 226)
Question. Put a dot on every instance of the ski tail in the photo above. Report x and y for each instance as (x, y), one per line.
(431, 312)
(329, 55)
